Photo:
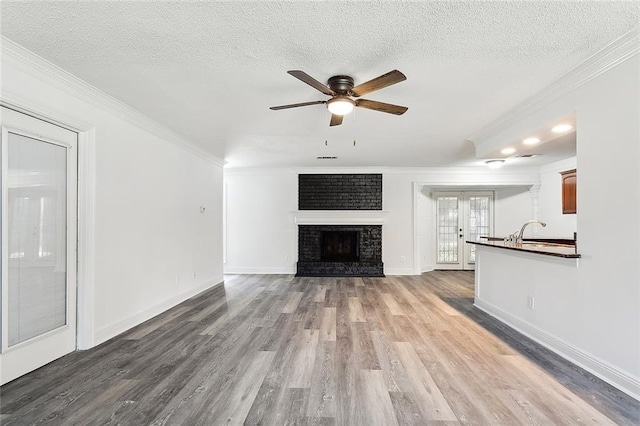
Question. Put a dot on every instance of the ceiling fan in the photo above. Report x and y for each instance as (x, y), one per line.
(341, 90)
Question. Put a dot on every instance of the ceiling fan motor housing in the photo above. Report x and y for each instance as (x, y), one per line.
(340, 84)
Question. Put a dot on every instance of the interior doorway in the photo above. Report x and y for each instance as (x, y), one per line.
(461, 216)
(39, 241)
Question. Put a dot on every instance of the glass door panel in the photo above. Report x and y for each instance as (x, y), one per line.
(480, 223)
(37, 199)
(447, 232)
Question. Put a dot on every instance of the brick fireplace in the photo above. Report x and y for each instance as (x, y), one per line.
(340, 225)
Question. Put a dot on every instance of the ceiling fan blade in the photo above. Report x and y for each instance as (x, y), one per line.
(303, 76)
(381, 106)
(392, 77)
(275, 108)
(336, 120)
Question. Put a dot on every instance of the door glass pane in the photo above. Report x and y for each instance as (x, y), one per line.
(479, 225)
(447, 233)
(37, 229)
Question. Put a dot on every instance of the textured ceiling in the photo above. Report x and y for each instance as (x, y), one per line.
(210, 70)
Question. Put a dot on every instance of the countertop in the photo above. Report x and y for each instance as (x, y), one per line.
(547, 247)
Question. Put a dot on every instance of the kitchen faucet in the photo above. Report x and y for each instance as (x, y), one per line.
(520, 237)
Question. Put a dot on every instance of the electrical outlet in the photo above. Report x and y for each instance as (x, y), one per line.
(530, 302)
(403, 259)
(194, 275)
(177, 278)
(287, 258)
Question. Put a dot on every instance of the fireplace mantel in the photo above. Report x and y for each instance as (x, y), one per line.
(339, 217)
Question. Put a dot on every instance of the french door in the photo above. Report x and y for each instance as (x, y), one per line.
(461, 216)
(39, 205)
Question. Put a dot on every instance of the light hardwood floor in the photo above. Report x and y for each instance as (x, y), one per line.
(278, 350)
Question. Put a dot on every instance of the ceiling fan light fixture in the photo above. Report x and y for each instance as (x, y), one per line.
(340, 105)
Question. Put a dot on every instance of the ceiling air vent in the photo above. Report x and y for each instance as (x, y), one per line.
(527, 155)
(327, 158)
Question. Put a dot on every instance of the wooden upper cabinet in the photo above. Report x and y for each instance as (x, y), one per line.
(569, 180)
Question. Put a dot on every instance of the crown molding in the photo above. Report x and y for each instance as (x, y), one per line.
(614, 53)
(38, 67)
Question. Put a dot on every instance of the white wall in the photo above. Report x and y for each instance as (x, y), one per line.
(262, 237)
(397, 231)
(426, 229)
(550, 201)
(513, 207)
(154, 247)
(147, 247)
(598, 303)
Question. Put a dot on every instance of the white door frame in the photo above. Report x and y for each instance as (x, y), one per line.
(86, 207)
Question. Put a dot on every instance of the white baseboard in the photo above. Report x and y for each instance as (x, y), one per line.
(119, 327)
(280, 270)
(427, 268)
(399, 271)
(622, 380)
(239, 270)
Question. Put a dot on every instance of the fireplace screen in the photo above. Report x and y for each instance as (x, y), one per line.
(340, 246)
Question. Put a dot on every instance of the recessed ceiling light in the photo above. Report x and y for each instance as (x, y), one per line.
(508, 150)
(531, 141)
(494, 164)
(327, 158)
(561, 128)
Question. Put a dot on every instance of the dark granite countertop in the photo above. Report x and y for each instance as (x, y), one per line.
(557, 247)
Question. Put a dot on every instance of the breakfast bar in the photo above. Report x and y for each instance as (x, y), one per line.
(509, 275)
(548, 246)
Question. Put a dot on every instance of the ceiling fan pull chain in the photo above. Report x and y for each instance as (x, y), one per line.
(354, 128)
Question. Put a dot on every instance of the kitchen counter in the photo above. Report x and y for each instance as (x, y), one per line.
(547, 247)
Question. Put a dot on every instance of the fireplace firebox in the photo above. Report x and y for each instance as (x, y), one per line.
(340, 251)
(339, 246)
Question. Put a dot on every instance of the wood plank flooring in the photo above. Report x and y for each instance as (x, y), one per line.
(278, 350)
